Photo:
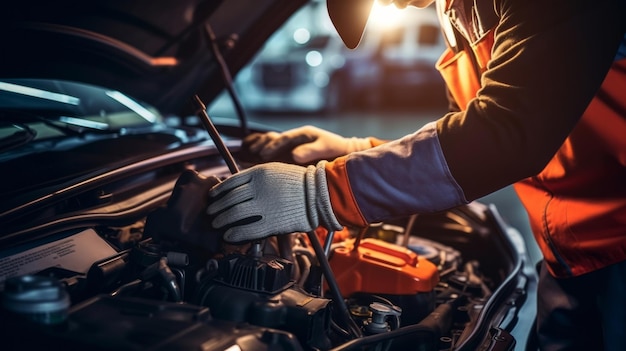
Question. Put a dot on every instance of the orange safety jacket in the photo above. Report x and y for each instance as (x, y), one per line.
(540, 102)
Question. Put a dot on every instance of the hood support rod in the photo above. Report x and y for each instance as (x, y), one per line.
(215, 135)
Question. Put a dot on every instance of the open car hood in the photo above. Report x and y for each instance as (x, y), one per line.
(161, 53)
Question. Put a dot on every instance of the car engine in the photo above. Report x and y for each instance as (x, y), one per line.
(172, 284)
(168, 282)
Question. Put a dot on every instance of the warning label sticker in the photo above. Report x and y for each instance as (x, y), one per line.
(75, 253)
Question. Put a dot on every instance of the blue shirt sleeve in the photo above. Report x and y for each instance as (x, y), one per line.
(403, 177)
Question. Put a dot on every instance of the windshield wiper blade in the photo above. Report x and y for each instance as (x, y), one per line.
(84, 123)
(77, 126)
(58, 120)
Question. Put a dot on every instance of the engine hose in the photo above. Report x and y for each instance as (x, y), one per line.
(408, 230)
(305, 268)
(169, 279)
(338, 329)
(432, 327)
(353, 328)
(130, 286)
(305, 252)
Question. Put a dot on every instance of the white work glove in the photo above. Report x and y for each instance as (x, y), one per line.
(306, 144)
(271, 199)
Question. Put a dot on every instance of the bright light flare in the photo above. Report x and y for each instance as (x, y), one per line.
(301, 35)
(383, 16)
(133, 105)
(314, 58)
(38, 93)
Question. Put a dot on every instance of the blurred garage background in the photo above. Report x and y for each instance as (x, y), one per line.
(387, 87)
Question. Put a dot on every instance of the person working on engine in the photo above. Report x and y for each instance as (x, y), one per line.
(539, 101)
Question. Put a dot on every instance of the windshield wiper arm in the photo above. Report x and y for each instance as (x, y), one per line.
(77, 126)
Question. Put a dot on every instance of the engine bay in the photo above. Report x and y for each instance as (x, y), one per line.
(167, 282)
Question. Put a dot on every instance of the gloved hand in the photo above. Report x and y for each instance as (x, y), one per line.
(270, 199)
(306, 144)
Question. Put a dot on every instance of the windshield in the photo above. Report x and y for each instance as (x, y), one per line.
(35, 109)
(52, 132)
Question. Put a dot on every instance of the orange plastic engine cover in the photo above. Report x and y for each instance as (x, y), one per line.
(379, 267)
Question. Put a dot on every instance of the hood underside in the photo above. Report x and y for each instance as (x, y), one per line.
(161, 53)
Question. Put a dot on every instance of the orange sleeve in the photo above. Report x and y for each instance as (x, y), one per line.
(342, 200)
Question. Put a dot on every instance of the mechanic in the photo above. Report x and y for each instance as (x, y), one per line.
(538, 100)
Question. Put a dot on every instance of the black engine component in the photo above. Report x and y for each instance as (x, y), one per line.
(184, 222)
(306, 316)
(260, 274)
(179, 287)
(259, 289)
(107, 323)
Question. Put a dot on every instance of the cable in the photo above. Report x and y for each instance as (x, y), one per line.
(228, 79)
(430, 328)
(408, 230)
(385, 337)
(334, 288)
